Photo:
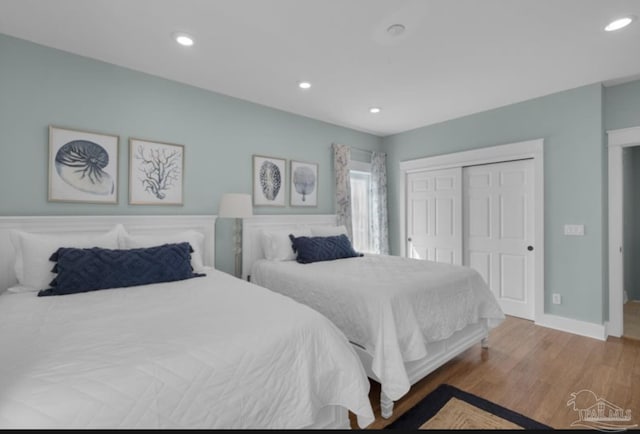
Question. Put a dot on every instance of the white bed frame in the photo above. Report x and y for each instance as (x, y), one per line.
(439, 352)
(331, 417)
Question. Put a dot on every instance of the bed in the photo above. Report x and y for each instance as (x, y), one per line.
(405, 317)
(209, 351)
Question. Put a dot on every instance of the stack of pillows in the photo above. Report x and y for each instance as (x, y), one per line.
(59, 264)
(308, 245)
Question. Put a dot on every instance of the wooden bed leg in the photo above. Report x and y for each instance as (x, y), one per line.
(485, 342)
(386, 406)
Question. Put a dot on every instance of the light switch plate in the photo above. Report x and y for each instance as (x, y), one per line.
(575, 230)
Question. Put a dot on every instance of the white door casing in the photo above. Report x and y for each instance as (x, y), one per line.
(499, 231)
(434, 217)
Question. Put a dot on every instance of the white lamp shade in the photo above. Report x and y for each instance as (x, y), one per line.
(235, 205)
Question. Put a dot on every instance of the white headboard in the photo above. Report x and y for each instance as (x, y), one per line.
(66, 224)
(251, 228)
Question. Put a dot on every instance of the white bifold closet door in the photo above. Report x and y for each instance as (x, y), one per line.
(499, 229)
(482, 217)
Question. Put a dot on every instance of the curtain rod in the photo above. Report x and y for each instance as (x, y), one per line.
(361, 150)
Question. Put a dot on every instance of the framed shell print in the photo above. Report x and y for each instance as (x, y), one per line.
(304, 184)
(156, 172)
(269, 181)
(83, 166)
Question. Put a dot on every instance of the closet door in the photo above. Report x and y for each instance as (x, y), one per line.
(434, 215)
(499, 231)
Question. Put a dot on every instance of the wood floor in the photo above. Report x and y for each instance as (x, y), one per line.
(533, 370)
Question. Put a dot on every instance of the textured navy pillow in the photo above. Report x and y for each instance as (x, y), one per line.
(83, 270)
(316, 249)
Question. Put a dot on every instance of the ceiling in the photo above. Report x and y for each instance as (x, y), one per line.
(456, 57)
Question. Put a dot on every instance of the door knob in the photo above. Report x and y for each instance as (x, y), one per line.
(529, 248)
(409, 239)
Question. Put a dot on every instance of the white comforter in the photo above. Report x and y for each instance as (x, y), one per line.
(210, 352)
(387, 304)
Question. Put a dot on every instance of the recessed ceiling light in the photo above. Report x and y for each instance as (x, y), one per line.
(374, 110)
(183, 39)
(304, 85)
(619, 24)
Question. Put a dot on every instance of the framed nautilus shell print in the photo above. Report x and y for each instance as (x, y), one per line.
(83, 166)
(304, 184)
(156, 172)
(269, 181)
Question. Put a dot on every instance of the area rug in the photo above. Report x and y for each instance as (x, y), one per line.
(448, 407)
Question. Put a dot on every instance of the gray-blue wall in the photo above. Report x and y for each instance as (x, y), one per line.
(571, 125)
(40, 86)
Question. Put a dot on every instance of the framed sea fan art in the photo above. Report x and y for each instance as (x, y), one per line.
(269, 181)
(304, 184)
(156, 173)
(83, 166)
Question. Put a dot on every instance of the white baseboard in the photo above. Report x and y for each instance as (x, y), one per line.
(583, 328)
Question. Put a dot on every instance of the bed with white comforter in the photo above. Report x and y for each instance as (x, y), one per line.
(208, 352)
(390, 306)
(205, 352)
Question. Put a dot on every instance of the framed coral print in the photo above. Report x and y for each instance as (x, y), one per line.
(304, 184)
(156, 173)
(269, 180)
(83, 166)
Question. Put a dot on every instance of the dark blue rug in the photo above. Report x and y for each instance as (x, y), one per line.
(428, 409)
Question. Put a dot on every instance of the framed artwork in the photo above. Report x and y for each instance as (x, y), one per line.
(83, 166)
(156, 173)
(304, 184)
(269, 181)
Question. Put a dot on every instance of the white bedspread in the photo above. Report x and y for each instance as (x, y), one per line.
(211, 352)
(387, 304)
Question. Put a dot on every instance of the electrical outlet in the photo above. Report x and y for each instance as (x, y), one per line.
(557, 299)
(575, 230)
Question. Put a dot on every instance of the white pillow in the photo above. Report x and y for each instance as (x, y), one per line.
(195, 238)
(276, 244)
(328, 231)
(33, 250)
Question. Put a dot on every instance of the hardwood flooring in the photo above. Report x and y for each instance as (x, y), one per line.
(533, 370)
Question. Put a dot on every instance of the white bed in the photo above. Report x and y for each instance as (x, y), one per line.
(405, 317)
(206, 352)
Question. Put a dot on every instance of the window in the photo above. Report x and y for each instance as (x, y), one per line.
(360, 180)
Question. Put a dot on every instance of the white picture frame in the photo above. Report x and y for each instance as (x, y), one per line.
(156, 172)
(269, 181)
(83, 166)
(304, 184)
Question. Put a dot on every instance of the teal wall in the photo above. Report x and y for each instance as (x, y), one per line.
(40, 86)
(571, 124)
(622, 106)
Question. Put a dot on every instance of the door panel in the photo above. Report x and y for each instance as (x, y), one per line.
(434, 215)
(498, 228)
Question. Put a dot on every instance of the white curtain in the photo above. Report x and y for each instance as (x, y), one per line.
(341, 158)
(379, 215)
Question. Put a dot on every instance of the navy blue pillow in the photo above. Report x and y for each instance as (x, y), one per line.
(316, 249)
(83, 270)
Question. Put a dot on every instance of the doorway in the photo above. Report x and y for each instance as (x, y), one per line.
(618, 142)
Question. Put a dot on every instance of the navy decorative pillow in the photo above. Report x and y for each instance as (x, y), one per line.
(83, 270)
(315, 249)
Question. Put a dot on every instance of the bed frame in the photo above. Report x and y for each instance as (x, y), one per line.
(331, 417)
(439, 352)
